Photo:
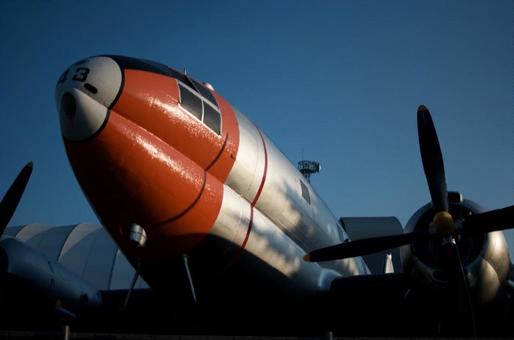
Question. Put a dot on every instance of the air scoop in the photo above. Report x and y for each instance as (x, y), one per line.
(84, 94)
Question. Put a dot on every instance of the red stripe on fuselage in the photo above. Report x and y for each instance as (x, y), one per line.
(265, 170)
(252, 206)
(258, 194)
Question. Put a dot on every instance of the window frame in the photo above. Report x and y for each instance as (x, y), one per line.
(194, 95)
(204, 102)
(200, 89)
(215, 110)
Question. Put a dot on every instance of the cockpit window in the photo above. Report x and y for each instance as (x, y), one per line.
(211, 118)
(205, 92)
(200, 108)
(190, 102)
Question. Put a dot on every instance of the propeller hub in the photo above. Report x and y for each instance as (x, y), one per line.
(443, 223)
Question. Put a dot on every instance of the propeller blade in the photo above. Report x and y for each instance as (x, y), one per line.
(432, 160)
(499, 219)
(362, 247)
(460, 317)
(12, 197)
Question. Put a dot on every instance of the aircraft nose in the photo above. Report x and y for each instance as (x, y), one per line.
(84, 94)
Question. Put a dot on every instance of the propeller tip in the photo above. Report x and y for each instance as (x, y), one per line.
(307, 258)
(422, 108)
(30, 164)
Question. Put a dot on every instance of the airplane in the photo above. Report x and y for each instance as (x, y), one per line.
(230, 236)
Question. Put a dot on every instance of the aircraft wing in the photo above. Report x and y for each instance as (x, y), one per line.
(85, 249)
(62, 271)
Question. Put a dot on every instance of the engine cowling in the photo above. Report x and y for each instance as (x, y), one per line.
(485, 257)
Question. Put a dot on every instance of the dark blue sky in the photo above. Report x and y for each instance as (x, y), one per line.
(334, 81)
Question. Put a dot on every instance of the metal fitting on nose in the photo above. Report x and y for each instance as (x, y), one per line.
(137, 235)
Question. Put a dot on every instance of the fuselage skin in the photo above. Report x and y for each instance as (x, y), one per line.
(213, 188)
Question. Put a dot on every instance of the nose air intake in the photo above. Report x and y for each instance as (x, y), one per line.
(68, 106)
(84, 94)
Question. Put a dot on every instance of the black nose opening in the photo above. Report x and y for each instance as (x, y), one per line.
(68, 105)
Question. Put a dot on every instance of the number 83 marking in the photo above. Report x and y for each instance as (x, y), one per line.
(80, 75)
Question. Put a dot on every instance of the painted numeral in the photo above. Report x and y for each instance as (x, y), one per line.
(81, 74)
(62, 79)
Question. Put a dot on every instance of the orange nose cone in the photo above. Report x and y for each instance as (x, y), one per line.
(131, 176)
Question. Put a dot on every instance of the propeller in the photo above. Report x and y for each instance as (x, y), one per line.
(457, 295)
(13, 196)
(443, 224)
(432, 160)
(442, 227)
(499, 219)
(362, 247)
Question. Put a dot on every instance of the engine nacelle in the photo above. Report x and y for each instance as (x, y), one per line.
(22, 264)
(485, 257)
